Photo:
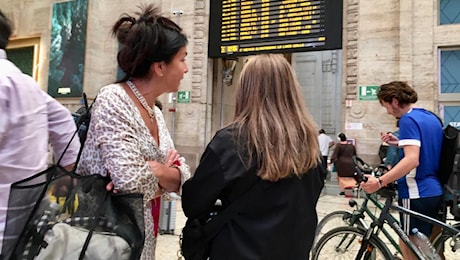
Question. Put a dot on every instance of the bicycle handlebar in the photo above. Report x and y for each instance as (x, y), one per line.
(361, 168)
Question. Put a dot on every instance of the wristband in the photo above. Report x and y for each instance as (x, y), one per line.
(380, 182)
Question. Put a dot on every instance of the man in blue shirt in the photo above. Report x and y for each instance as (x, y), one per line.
(420, 137)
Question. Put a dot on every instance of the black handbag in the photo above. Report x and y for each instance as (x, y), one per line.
(87, 206)
(55, 204)
(197, 234)
(193, 241)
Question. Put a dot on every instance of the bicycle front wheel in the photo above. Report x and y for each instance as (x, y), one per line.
(345, 242)
(330, 221)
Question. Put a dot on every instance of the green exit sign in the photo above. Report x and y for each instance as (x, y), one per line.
(183, 97)
(368, 92)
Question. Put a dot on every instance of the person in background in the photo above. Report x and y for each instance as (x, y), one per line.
(383, 148)
(394, 153)
(271, 144)
(128, 138)
(325, 142)
(343, 159)
(30, 120)
(420, 136)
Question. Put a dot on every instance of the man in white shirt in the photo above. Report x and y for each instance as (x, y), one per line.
(325, 142)
(30, 120)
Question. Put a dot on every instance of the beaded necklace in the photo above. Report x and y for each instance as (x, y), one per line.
(142, 100)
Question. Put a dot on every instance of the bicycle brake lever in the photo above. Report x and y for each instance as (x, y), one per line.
(361, 166)
(359, 176)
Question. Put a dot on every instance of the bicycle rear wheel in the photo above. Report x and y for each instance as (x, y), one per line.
(444, 245)
(330, 221)
(345, 242)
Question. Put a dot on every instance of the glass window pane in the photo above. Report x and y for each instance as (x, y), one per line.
(23, 58)
(450, 78)
(452, 116)
(449, 11)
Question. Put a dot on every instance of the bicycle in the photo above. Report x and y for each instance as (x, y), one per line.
(451, 201)
(351, 242)
(357, 216)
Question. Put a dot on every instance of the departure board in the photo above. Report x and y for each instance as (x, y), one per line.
(243, 27)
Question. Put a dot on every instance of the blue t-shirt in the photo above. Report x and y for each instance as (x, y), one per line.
(421, 128)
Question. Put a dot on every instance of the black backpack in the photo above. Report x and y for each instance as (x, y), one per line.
(450, 154)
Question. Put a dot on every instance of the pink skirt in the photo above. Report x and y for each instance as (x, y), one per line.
(346, 182)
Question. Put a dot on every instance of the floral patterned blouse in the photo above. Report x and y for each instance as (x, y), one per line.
(120, 143)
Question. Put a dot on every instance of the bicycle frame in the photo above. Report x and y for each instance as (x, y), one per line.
(373, 217)
(385, 216)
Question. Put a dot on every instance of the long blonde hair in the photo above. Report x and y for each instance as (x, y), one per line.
(272, 117)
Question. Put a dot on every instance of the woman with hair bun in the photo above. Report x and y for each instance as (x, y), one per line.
(128, 138)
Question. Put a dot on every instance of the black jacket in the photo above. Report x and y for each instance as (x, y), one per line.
(279, 225)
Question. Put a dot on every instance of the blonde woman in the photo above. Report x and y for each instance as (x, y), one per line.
(271, 142)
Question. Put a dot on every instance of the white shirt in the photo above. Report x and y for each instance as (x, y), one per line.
(30, 120)
(324, 141)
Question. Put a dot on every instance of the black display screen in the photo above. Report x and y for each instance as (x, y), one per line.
(242, 27)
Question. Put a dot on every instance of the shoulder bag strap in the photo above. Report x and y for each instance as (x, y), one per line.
(83, 120)
(211, 228)
(440, 120)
